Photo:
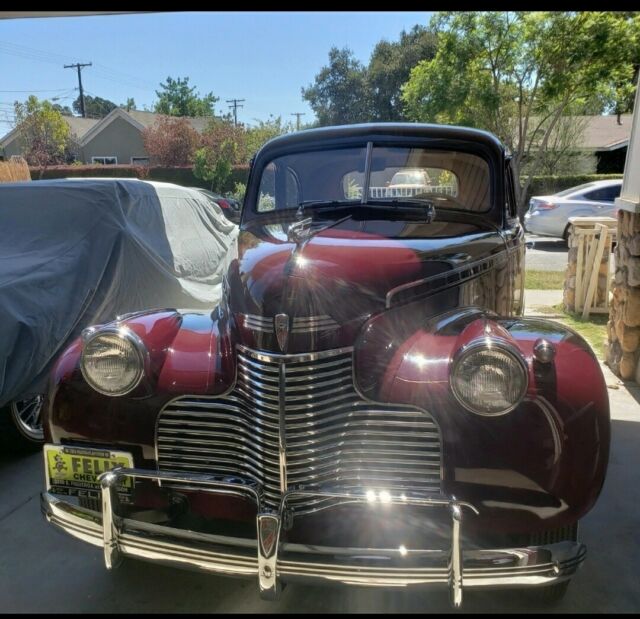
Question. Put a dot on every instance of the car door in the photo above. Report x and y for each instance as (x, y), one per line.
(602, 200)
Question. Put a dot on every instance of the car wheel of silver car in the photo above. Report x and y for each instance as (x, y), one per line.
(27, 417)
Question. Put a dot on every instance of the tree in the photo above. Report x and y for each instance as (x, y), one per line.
(129, 105)
(562, 155)
(65, 110)
(219, 130)
(260, 134)
(215, 165)
(171, 141)
(340, 92)
(177, 98)
(94, 107)
(517, 74)
(45, 136)
(390, 66)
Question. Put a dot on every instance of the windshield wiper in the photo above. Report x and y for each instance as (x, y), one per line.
(416, 210)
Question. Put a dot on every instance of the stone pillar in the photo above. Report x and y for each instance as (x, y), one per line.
(623, 328)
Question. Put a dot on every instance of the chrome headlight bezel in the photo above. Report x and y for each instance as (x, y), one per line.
(489, 343)
(126, 335)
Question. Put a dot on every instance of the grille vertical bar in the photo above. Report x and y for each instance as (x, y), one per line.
(333, 436)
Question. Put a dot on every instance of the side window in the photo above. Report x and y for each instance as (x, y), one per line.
(274, 192)
(604, 194)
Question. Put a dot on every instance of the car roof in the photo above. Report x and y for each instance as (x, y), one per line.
(374, 130)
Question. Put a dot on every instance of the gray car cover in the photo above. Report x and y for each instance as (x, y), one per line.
(76, 252)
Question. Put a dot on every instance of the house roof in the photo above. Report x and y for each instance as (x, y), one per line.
(594, 133)
(604, 132)
(148, 119)
(79, 127)
(85, 129)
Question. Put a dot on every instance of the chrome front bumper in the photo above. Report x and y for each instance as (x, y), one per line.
(275, 562)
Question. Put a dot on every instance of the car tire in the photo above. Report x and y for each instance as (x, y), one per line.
(565, 234)
(26, 414)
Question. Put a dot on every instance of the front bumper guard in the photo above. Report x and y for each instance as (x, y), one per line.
(276, 562)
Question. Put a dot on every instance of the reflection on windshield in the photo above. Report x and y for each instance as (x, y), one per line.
(447, 178)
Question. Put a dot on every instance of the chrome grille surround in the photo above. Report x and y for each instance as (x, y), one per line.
(299, 324)
(317, 431)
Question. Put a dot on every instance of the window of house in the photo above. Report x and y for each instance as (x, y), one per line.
(139, 160)
(105, 160)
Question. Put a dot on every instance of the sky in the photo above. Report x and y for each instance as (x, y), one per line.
(263, 58)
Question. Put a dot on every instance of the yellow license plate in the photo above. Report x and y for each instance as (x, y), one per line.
(74, 471)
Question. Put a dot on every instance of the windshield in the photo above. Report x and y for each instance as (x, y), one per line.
(446, 178)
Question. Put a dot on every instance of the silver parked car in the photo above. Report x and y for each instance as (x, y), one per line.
(549, 215)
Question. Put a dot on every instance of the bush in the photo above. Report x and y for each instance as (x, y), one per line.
(547, 185)
(182, 175)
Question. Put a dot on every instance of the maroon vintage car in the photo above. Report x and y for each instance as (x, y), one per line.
(366, 406)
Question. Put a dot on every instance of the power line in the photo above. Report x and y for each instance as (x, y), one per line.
(79, 67)
(235, 105)
(101, 72)
(49, 90)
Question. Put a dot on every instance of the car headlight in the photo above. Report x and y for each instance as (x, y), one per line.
(489, 377)
(113, 361)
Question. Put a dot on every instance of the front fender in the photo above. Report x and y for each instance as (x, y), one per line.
(190, 352)
(544, 463)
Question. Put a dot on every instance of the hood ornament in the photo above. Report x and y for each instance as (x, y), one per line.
(281, 327)
(300, 230)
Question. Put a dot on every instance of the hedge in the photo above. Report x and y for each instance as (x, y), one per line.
(179, 175)
(540, 185)
(547, 185)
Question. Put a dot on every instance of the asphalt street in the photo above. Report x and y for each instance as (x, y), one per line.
(545, 253)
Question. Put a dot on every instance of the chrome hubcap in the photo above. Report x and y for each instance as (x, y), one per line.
(27, 415)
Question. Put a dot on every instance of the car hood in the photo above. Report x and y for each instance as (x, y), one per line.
(343, 275)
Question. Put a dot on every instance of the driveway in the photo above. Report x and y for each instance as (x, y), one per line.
(42, 570)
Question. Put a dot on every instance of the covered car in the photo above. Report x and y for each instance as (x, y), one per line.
(76, 252)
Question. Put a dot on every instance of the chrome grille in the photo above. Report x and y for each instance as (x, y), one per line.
(300, 324)
(333, 436)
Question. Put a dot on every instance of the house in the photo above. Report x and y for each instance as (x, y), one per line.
(592, 144)
(114, 139)
(607, 137)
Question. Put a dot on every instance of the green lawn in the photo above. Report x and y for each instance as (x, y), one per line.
(543, 280)
(594, 329)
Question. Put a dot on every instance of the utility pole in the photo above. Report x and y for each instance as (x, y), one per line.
(79, 67)
(235, 106)
(297, 115)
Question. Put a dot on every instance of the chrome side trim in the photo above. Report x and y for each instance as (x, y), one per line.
(449, 278)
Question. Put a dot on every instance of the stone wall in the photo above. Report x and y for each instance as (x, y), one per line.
(623, 328)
